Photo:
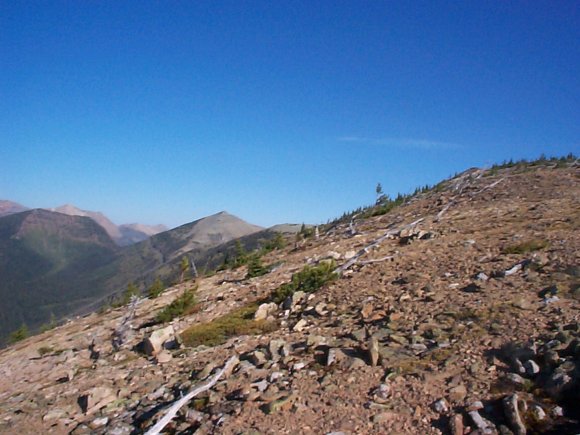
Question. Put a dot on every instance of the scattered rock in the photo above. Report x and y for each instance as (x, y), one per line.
(512, 414)
(265, 310)
(278, 404)
(373, 350)
(95, 399)
(153, 344)
(441, 406)
(300, 325)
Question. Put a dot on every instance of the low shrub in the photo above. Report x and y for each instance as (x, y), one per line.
(525, 247)
(238, 322)
(308, 280)
(182, 305)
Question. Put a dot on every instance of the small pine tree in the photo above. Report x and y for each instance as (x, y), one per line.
(156, 289)
(132, 290)
(20, 334)
(255, 266)
(184, 268)
(241, 254)
(50, 325)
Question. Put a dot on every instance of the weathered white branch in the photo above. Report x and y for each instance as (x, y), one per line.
(492, 185)
(443, 211)
(173, 409)
(376, 260)
(340, 269)
(351, 225)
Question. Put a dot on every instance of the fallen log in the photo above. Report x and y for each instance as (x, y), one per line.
(173, 409)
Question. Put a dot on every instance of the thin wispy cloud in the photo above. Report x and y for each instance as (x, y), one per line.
(424, 144)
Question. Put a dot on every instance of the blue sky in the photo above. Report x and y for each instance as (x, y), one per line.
(286, 111)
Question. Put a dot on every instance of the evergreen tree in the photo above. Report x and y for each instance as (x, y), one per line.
(184, 268)
(156, 288)
(255, 266)
(20, 334)
(241, 255)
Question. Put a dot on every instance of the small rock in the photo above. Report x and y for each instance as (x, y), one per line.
(537, 413)
(458, 393)
(95, 399)
(99, 422)
(512, 414)
(384, 417)
(257, 358)
(531, 367)
(300, 325)
(471, 288)
(164, 357)
(265, 310)
(557, 411)
(275, 347)
(298, 366)
(516, 379)
(366, 310)
(381, 393)
(475, 406)
(483, 425)
(441, 406)
(373, 350)
(315, 341)
(277, 405)
(481, 276)
(261, 386)
(522, 304)
(456, 424)
(153, 344)
(54, 414)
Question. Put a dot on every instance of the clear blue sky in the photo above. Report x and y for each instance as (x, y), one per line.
(284, 111)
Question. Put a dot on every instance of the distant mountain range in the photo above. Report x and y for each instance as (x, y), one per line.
(65, 261)
(122, 235)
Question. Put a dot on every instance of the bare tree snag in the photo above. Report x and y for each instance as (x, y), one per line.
(173, 409)
(352, 227)
(120, 332)
(339, 270)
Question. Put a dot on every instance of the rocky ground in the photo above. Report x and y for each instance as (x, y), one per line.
(468, 322)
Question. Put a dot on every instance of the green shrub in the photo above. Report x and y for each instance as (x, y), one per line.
(156, 289)
(50, 325)
(216, 332)
(19, 335)
(44, 350)
(525, 247)
(308, 280)
(255, 267)
(182, 305)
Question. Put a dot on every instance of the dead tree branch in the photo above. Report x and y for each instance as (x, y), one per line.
(173, 409)
(120, 332)
(339, 270)
(352, 227)
(376, 260)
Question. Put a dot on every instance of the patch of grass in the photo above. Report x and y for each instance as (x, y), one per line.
(238, 322)
(45, 350)
(526, 246)
(308, 280)
(182, 305)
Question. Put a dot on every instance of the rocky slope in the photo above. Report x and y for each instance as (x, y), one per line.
(466, 322)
